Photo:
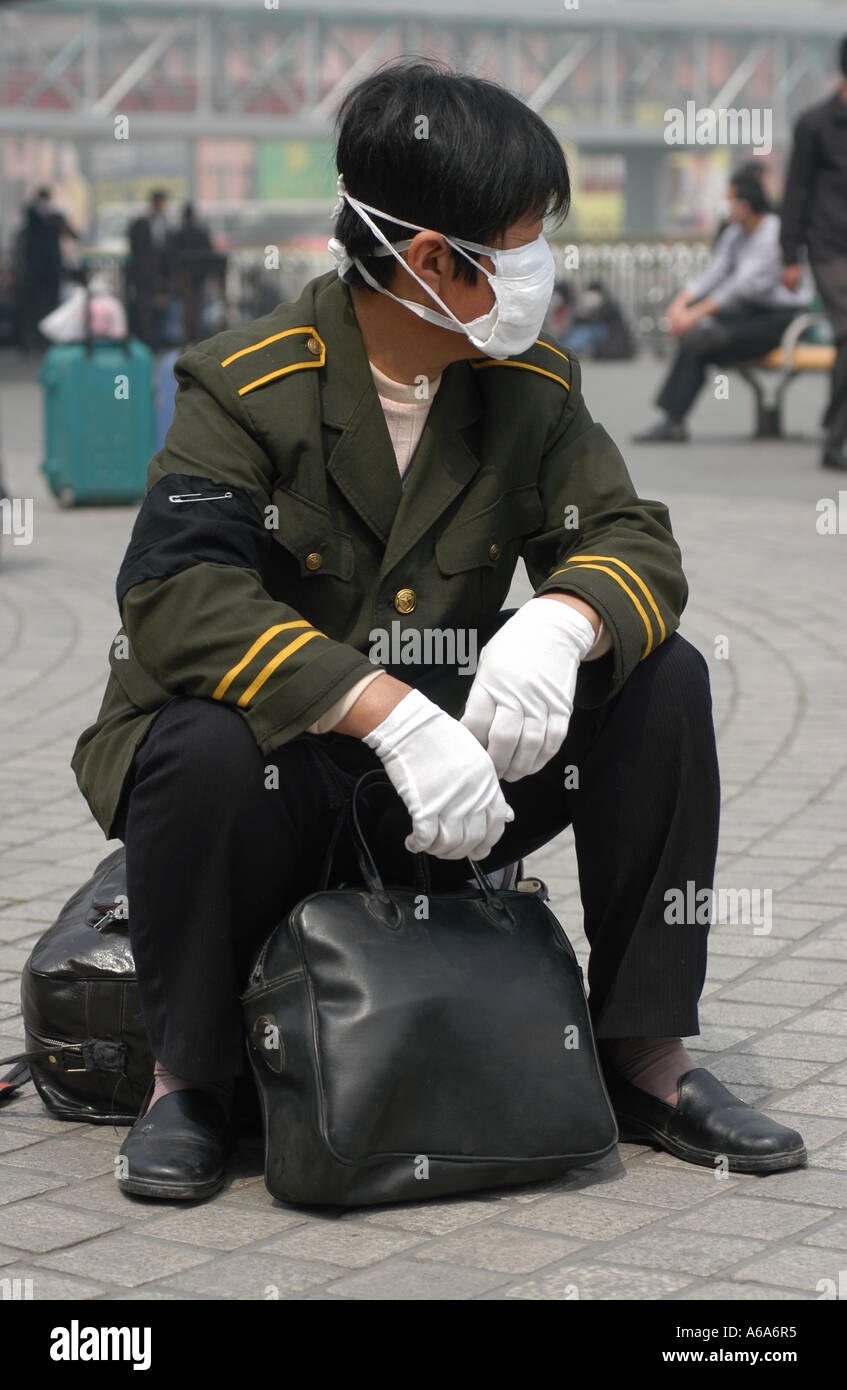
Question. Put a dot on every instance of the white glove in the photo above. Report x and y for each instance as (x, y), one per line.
(521, 700)
(446, 781)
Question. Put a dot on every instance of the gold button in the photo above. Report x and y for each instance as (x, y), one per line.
(405, 600)
(314, 346)
(314, 560)
(494, 551)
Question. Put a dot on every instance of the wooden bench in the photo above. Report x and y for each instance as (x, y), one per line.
(792, 358)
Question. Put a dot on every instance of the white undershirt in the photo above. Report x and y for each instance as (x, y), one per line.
(405, 415)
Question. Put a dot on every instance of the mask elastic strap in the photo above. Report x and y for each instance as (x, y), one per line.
(360, 208)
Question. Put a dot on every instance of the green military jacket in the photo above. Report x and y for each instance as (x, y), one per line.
(275, 539)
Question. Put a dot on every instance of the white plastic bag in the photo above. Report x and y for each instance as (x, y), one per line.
(66, 324)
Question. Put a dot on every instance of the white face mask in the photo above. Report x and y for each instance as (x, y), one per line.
(522, 282)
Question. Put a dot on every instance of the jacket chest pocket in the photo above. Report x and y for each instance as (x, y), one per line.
(490, 541)
(307, 531)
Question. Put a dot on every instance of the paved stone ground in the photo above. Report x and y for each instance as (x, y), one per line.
(774, 1015)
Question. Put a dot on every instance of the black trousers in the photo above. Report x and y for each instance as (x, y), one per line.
(831, 280)
(728, 336)
(222, 840)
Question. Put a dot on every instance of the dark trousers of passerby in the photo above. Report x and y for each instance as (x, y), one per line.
(147, 305)
(831, 280)
(40, 296)
(222, 840)
(722, 339)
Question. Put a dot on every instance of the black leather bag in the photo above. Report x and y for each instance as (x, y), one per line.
(86, 1044)
(406, 1045)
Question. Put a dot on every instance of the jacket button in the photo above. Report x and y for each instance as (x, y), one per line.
(314, 347)
(314, 560)
(405, 600)
(494, 551)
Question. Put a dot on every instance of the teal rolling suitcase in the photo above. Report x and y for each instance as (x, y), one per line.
(98, 420)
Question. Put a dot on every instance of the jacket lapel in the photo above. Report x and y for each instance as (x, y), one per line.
(362, 461)
(443, 465)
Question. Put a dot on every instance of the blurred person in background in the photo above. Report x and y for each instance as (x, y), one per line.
(191, 246)
(735, 311)
(598, 328)
(42, 266)
(814, 218)
(149, 271)
(561, 310)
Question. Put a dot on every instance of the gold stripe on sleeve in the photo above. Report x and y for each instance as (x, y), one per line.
(223, 686)
(269, 669)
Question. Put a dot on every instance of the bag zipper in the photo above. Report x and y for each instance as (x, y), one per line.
(110, 914)
(61, 1044)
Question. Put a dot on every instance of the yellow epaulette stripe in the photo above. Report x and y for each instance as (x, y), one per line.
(268, 670)
(274, 338)
(550, 348)
(260, 642)
(612, 559)
(527, 366)
(280, 371)
(604, 569)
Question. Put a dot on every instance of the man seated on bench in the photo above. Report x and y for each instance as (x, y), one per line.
(736, 311)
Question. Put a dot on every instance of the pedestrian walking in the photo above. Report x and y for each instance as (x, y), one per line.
(814, 220)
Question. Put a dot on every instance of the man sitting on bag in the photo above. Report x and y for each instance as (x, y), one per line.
(344, 478)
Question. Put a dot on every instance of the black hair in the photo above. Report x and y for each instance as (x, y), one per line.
(748, 187)
(842, 55)
(446, 150)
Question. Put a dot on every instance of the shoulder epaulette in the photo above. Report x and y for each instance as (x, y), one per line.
(275, 356)
(542, 357)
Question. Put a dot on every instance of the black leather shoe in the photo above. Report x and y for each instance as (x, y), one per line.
(666, 432)
(707, 1122)
(178, 1150)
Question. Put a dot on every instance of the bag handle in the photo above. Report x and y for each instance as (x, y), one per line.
(494, 905)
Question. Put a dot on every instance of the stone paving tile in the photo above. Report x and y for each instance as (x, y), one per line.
(757, 1015)
(821, 1021)
(688, 1252)
(776, 992)
(15, 1139)
(498, 1248)
(103, 1195)
(799, 969)
(17, 1184)
(815, 1048)
(596, 1281)
(833, 1234)
(433, 1218)
(398, 1281)
(584, 1218)
(821, 1100)
(47, 1285)
(647, 1185)
(801, 1268)
(250, 1275)
(346, 1245)
(758, 1218)
(741, 1067)
(124, 1258)
(35, 1226)
(719, 1291)
(222, 1227)
(832, 1156)
(74, 1157)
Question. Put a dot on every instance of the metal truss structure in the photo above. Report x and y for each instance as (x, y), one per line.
(602, 75)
